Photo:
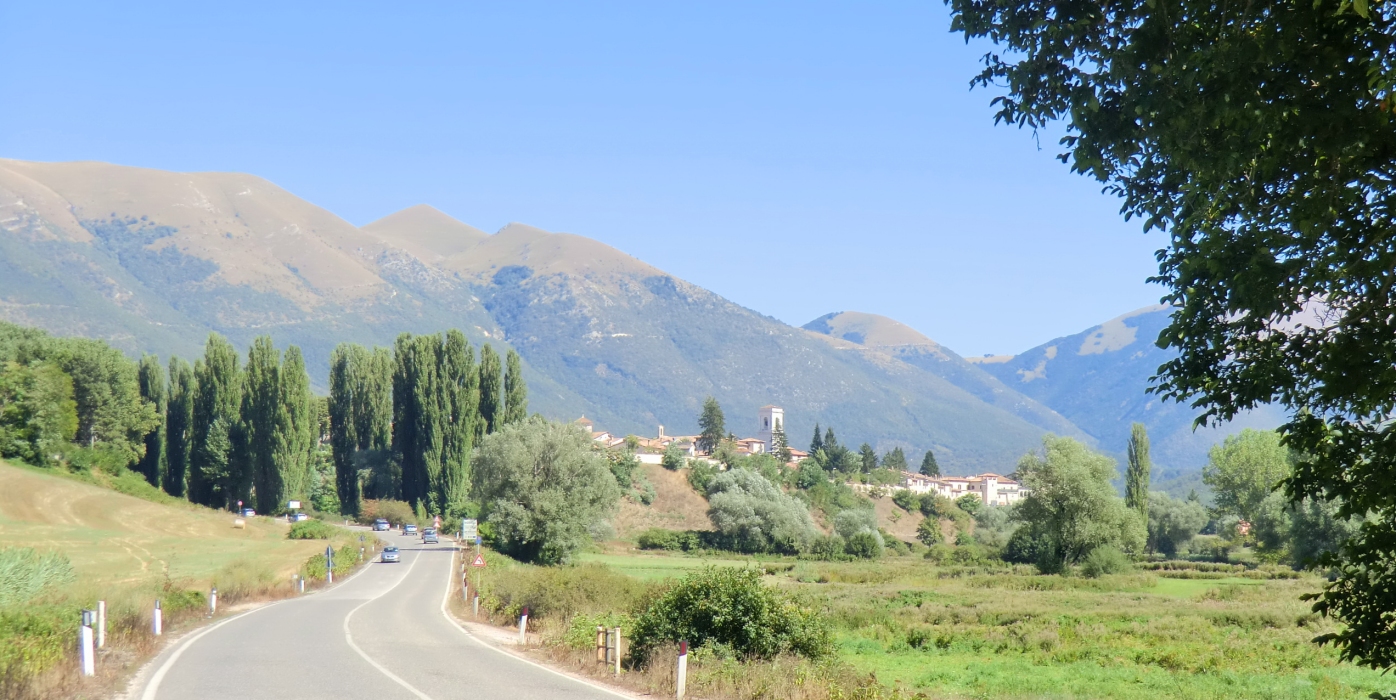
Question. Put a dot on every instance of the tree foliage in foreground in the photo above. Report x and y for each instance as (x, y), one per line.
(543, 488)
(1260, 139)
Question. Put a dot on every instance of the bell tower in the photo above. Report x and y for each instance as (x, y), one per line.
(770, 417)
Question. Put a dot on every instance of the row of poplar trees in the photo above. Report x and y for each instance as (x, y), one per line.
(232, 432)
(403, 422)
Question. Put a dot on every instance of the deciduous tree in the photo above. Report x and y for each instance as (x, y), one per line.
(179, 436)
(1137, 473)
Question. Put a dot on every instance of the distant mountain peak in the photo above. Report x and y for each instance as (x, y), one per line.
(872, 330)
(425, 232)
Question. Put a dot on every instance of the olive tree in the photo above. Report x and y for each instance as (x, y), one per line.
(542, 488)
(756, 516)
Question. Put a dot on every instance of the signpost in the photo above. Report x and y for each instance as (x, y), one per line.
(329, 564)
(469, 529)
(479, 563)
(293, 505)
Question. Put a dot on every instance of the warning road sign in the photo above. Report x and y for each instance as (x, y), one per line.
(479, 561)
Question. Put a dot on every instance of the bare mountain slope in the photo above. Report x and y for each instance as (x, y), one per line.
(153, 260)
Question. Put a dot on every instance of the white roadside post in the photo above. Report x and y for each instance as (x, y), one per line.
(156, 623)
(86, 653)
(523, 626)
(475, 606)
(101, 624)
(682, 679)
(329, 565)
(213, 601)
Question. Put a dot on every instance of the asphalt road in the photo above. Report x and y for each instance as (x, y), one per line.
(380, 634)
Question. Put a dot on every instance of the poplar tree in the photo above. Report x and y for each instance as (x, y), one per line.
(298, 429)
(417, 434)
(261, 422)
(491, 385)
(217, 398)
(515, 390)
(151, 377)
(459, 408)
(1137, 474)
(928, 464)
(345, 361)
(712, 424)
(178, 429)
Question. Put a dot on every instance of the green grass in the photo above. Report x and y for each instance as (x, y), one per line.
(1009, 633)
(650, 567)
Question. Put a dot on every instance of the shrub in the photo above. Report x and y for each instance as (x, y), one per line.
(671, 540)
(558, 592)
(897, 546)
(395, 512)
(730, 608)
(864, 545)
(827, 547)
(674, 458)
(700, 474)
(756, 516)
(906, 500)
(1105, 560)
(543, 489)
(310, 530)
(24, 573)
(929, 533)
(971, 504)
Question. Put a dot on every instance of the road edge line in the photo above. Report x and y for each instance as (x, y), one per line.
(450, 576)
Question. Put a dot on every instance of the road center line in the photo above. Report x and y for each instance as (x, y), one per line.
(350, 638)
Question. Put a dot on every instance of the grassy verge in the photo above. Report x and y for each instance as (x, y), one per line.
(906, 627)
(130, 551)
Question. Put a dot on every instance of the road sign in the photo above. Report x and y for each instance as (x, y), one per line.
(469, 528)
(479, 561)
(478, 540)
(293, 505)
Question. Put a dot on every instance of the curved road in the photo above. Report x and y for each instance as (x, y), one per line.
(379, 635)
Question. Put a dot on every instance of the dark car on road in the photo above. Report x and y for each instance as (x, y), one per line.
(389, 555)
(247, 512)
(429, 536)
(381, 525)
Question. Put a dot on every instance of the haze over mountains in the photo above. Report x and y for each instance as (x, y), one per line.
(152, 261)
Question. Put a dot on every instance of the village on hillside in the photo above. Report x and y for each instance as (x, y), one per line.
(990, 488)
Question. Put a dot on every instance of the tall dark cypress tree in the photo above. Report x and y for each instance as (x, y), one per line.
(1137, 475)
(217, 399)
(459, 412)
(928, 464)
(179, 413)
(491, 390)
(151, 377)
(261, 422)
(712, 425)
(346, 359)
(298, 429)
(515, 391)
(817, 443)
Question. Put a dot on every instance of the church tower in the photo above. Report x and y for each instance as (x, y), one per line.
(771, 416)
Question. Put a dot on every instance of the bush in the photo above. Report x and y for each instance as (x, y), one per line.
(543, 488)
(729, 608)
(1105, 560)
(674, 458)
(970, 504)
(310, 530)
(864, 545)
(700, 474)
(558, 592)
(827, 547)
(756, 516)
(395, 512)
(24, 573)
(670, 540)
(929, 532)
(896, 546)
(906, 500)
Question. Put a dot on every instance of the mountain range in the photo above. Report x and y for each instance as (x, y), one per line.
(153, 260)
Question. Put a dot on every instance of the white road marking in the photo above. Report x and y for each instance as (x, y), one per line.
(153, 686)
(350, 638)
(450, 573)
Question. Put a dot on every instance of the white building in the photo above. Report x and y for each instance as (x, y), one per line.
(993, 489)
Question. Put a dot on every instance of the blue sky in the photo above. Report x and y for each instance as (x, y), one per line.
(797, 158)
